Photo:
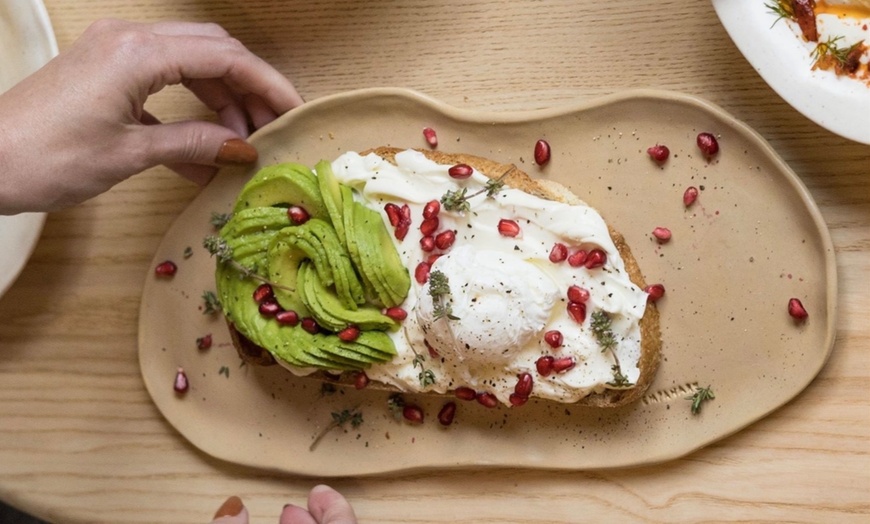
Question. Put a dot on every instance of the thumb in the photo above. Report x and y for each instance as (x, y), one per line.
(328, 506)
(194, 148)
(232, 511)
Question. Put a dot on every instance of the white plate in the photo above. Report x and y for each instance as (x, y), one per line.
(26, 43)
(783, 59)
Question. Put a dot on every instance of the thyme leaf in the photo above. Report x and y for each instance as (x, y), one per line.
(700, 396)
(339, 419)
(459, 200)
(219, 249)
(602, 330)
(426, 376)
(396, 404)
(219, 220)
(211, 303)
(439, 290)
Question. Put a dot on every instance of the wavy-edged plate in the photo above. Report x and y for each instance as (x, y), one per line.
(753, 240)
(784, 60)
(27, 42)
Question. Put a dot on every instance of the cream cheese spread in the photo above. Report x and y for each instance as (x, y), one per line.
(505, 293)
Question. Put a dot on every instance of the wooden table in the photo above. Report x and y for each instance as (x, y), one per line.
(81, 441)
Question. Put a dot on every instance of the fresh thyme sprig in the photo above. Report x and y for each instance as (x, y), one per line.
(700, 396)
(339, 418)
(781, 8)
(602, 330)
(211, 304)
(426, 376)
(459, 200)
(396, 403)
(439, 290)
(219, 220)
(219, 249)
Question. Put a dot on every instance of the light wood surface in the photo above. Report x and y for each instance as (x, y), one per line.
(80, 440)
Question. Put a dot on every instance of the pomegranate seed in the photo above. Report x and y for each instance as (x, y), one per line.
(448, 411)
(421, 273)
(432, 258)
(431, 209)
(577, 311)
(662, 234)
(465, 393)
(349, 334)
(596, 258)
(460, 171)
(708, 144)
(445, 239)
(413, 414)
(402, 230)
(690, 195)
(544, 365)
(396, 313)
(298, 215)
(181, 384)
(427, 243)
(655, 292)
(263, 292)
(553, 338)
(405, 212)
(432, 351)
(578, 294)
(269, 308)
(517, 400)
(310, 325)
(487, 399)
(508, 228)
(393, 213)
(287, 318)
(166, 269)
(431, 137)
(577, 259)
(542, 152)
(204, 342)
(563, 364)
(659, 153)
(558, 253)
(525, 382)
(429, 226)
(361, 380)
(797, 310)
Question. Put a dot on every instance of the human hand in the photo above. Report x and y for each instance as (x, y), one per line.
(325, 506)
(78, 126)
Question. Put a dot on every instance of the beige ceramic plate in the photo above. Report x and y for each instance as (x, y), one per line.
(753, 240)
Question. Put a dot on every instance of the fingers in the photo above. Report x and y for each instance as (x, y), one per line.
(196, 57)
(232, 511)
(327, 506)
(296, 515)
(194, 149)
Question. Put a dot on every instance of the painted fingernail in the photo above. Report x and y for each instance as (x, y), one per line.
(236, 151)
(230, 508)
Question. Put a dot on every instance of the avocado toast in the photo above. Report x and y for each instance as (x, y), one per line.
(329, 290)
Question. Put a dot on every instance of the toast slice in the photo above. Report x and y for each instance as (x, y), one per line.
(651, 346)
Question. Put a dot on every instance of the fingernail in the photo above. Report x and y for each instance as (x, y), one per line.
(230, 508)
(236, 151)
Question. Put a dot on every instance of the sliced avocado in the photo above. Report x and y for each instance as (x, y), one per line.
(255, 220)
(304, 238)
(330, 192)
(379, 260)
(329, 311)
(346, 281)
(379, 342)
(283, 260)
(283, 185)
(348, 205)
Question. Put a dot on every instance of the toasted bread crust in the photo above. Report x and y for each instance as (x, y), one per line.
(649, 324)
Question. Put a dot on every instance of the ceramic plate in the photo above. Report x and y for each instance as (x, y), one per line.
(753, 240)
(26, 44)
(784, 60)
